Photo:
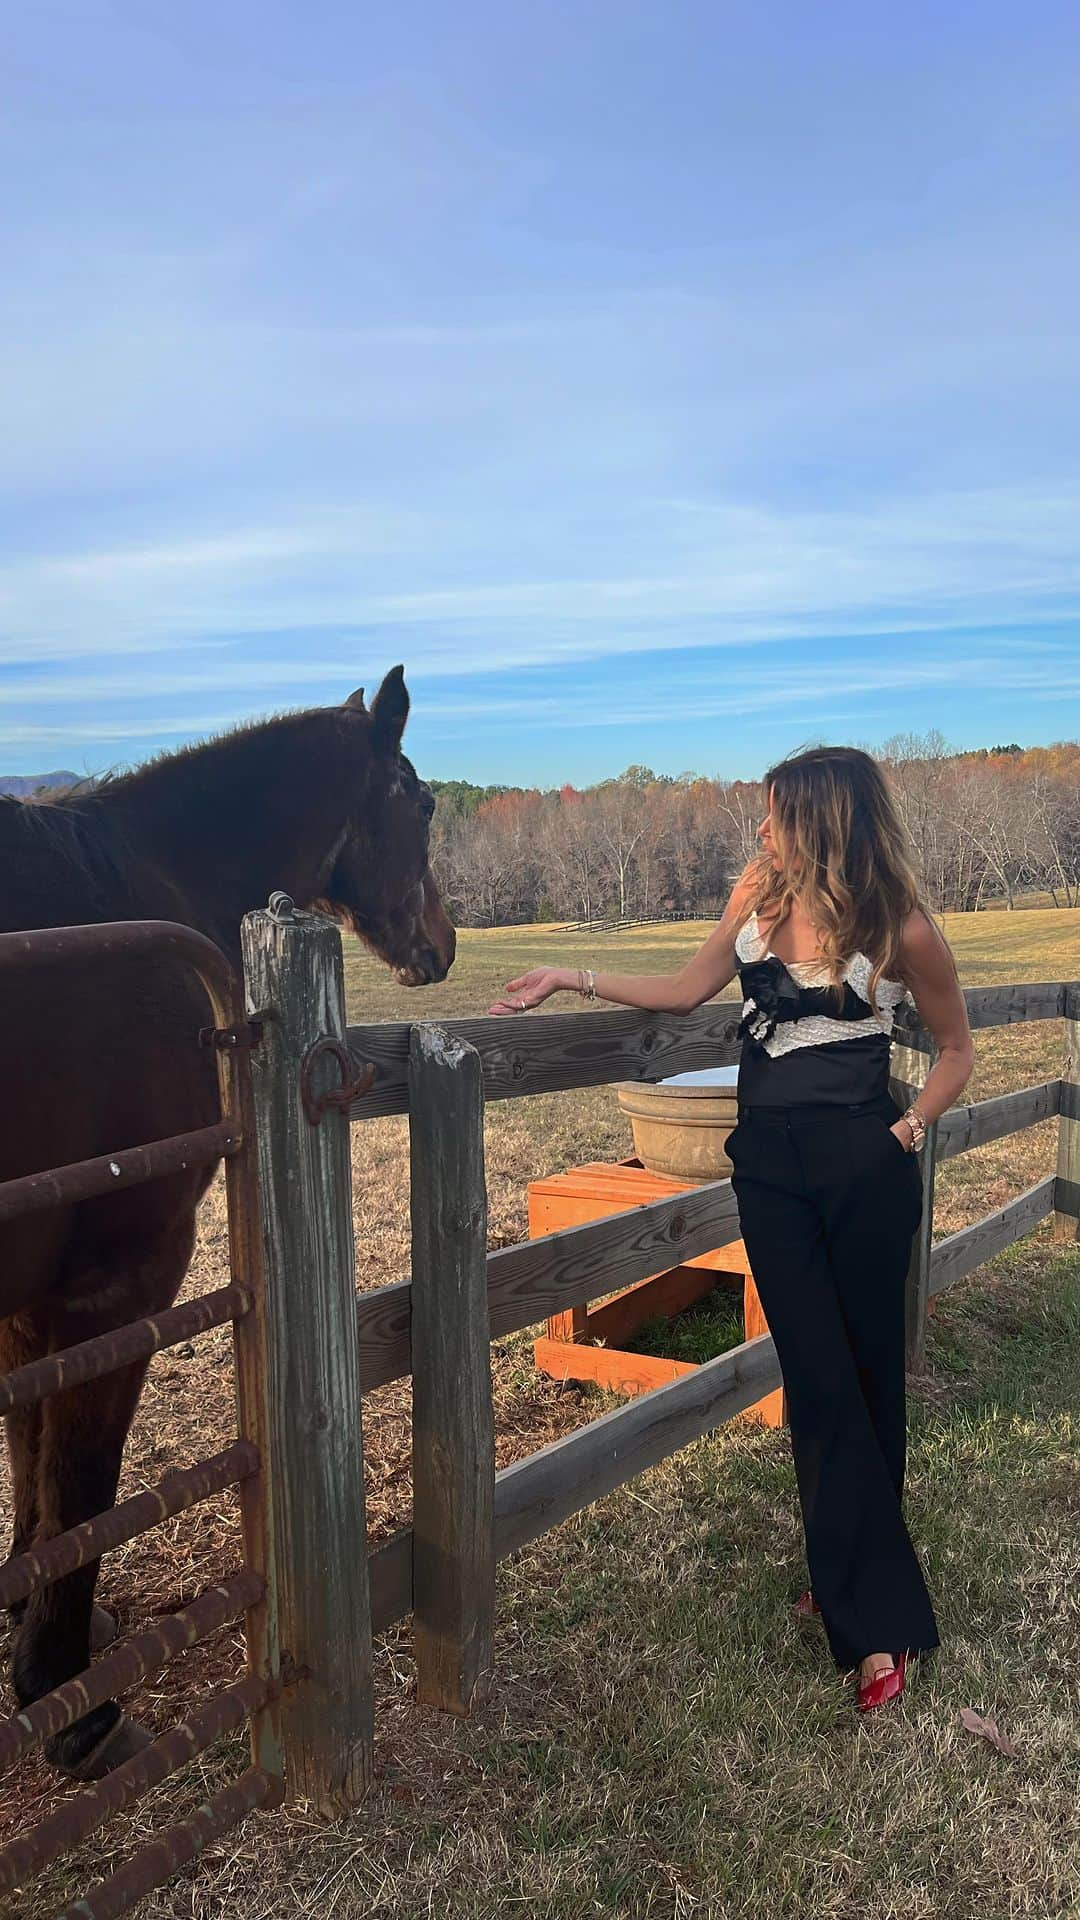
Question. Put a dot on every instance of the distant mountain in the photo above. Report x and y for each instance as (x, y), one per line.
(21, 784)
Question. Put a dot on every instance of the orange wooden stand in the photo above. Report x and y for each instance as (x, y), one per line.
(571, 1350)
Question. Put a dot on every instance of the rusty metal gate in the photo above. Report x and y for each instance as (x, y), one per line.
(245, 1591)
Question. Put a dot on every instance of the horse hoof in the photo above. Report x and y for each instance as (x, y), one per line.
(122, 1742)
(103, 1630)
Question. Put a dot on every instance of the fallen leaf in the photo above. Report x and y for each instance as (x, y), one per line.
(989, 1731)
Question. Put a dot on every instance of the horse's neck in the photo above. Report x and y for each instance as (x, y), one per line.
(227, 825)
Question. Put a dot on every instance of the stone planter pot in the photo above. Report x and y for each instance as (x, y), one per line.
(681, 1125)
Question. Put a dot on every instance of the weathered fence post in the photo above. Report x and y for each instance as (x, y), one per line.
(453, 1420)
(293, 969)
(1067, 1185)
(910, 1066)
(251, 1346)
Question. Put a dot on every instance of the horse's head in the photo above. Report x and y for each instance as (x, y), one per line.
(378, 880)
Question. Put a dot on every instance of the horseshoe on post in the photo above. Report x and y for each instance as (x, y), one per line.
(357, 1078)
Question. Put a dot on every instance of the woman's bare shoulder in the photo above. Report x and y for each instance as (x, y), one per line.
(743, 896)
(923, 946)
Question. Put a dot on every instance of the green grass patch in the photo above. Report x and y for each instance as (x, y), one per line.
(697, 1334)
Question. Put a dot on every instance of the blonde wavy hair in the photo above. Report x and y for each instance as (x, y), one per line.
(844, 856)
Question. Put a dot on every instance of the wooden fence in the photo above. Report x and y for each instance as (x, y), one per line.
(438, 1326)
(307, 1350)
(618, 923)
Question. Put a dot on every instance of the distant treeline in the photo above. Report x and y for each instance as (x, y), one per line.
(985, 826)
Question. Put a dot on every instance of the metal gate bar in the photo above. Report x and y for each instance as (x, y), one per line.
(160, 1860)
(108, 1172)
(181, 1488)
(137, 1658)
(120, 939)
(108, 1351)
(70, 1823)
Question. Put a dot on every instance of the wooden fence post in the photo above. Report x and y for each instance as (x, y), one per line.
(293, 969)
(453, 1419)
(250, 1356)
(910, 1066)
(1067, 1188)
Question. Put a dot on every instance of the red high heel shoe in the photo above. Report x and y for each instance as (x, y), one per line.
(883, 1687)
(806, 1607)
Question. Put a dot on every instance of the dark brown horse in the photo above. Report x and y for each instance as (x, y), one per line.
(322, 805)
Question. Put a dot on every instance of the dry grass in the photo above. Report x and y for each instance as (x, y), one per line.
(661, 1740)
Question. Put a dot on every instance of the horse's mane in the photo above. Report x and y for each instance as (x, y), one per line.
(63, 863)
(76, 854)
(270, 731)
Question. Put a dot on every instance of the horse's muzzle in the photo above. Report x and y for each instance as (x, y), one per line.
(425, 971)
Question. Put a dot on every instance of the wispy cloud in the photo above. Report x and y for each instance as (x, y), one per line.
(723, 575)
(730, 695)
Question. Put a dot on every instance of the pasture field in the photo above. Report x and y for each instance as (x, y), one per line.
(662, 1739)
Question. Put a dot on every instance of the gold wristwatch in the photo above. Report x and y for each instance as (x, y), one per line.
(916, 1120)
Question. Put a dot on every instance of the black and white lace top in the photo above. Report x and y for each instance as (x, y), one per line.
(818, 1028)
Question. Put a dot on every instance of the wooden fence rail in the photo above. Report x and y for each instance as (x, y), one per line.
(536, 1278)
(554, 1052)
(962, 1252)
(533, 1279)
(550, 1485)
(976, 1126)
(617, 923)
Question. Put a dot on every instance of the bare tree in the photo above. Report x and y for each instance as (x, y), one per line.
(1055, 831)
(570, 853)
(742, 804)
(617, 815)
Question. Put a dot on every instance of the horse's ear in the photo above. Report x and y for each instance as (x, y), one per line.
(389, 711)
(356, 701)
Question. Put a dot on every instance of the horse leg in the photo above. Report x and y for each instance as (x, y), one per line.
(83, 1432)
(82, 1444)
(21, 1341)
(23, 1439)
(24, 1448)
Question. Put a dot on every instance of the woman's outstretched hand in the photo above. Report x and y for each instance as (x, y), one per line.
(530, 989)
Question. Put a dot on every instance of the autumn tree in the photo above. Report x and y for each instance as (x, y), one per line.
(984, 826)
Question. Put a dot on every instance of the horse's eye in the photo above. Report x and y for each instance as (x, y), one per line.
(427, 801)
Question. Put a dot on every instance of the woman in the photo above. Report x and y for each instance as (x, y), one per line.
(827, 934)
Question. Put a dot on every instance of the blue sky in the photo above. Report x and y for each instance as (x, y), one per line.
(671, 383)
